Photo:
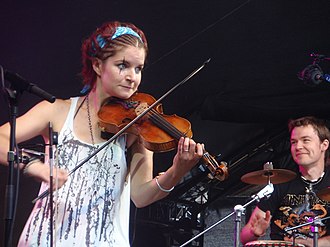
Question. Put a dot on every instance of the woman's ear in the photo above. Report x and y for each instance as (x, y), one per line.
(97, 66)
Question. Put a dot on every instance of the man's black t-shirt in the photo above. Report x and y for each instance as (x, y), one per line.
(290, 205)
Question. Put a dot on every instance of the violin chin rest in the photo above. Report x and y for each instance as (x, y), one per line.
(106, 135)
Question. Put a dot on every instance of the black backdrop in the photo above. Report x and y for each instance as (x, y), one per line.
(249, 87)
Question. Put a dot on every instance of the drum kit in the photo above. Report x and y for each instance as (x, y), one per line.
(268, 176)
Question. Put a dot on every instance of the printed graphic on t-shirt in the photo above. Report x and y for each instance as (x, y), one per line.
(304, 209)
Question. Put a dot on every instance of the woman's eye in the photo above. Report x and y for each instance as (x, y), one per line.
(138, 70)
(121, 66)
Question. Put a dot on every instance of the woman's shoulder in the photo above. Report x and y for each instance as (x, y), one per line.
(62, 104)
(51, 112)
(59, 105)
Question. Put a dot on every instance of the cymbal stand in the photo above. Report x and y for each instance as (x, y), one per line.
(314, 229)
(238, 210)
(294, 233)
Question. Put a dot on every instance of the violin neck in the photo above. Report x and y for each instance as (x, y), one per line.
(166, 126)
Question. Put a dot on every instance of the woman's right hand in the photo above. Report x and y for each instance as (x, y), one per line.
(41, 173)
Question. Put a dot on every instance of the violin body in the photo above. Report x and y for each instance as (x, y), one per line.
(156, 131)
(116, 113)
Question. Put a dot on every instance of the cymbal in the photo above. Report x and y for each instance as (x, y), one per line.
(324, 194)
(275, 176)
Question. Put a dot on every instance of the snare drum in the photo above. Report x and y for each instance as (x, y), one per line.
(271, 243)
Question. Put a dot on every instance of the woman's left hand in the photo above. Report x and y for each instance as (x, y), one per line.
(188, 154)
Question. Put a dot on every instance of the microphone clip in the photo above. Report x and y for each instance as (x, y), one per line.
(264, 193)
(312, 75)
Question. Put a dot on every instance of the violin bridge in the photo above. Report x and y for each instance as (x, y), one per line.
(141, 108)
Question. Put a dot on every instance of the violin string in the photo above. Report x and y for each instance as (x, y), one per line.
(158, 119)
(174, 131)
(169, 128)
(162, 122)
(211, 161)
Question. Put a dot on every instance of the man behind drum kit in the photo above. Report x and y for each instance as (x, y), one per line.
(296, 202)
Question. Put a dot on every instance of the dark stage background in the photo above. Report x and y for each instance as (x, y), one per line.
(239, 104)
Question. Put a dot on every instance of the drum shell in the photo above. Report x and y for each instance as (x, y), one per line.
(271, 243)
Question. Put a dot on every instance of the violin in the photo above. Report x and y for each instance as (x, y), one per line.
(156, 131)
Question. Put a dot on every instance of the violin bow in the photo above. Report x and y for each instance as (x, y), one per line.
(46, 192)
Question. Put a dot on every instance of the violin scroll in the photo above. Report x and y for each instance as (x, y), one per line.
(218, 171)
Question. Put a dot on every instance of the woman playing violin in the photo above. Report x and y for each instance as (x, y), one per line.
(92, 204)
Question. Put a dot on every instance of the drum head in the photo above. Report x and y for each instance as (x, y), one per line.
(271, 243)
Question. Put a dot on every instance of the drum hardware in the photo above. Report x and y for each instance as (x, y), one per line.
(316, 222)
(272, 243)
(276, 176)
(294, 235)
(268, 176)
(239, 211)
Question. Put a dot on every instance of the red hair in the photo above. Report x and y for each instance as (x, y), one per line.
(91, 47)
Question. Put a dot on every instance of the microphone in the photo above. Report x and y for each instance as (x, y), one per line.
(313, 75)
(265, 192)
(20, 83)
(319, 57)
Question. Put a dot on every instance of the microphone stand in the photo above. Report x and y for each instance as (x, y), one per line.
(46, 192)
(13, 93)
(314, 228)
(13, 96)
(238, 210)
(52, 136)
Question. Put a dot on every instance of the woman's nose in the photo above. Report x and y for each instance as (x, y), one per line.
(131, 75)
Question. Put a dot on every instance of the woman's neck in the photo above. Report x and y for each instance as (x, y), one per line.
(96, 97)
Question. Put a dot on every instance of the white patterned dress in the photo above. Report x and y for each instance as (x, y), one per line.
(92, 208)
